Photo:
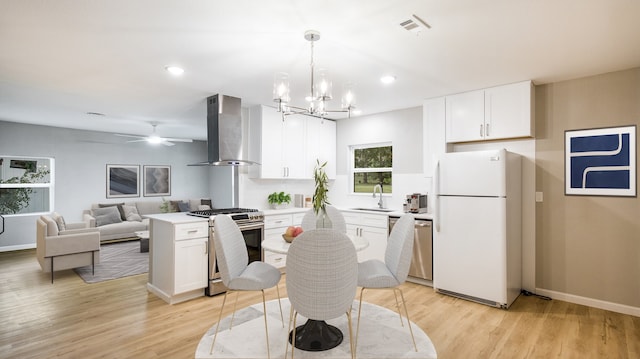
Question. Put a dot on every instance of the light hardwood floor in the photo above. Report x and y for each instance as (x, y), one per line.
(120, 319)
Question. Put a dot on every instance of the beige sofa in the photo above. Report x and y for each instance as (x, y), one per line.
(118, 221)
(74, 245)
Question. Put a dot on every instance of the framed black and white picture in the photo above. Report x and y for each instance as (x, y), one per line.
(123, 181)
(157, 181)
(601, 162)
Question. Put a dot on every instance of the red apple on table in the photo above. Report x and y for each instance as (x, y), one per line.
(289, 232)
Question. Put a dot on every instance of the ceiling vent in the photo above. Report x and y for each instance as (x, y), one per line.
(415, 24)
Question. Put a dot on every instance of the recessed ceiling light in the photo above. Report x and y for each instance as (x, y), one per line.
(387, 79)
(174, 70)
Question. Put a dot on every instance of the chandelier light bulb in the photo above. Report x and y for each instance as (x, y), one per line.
(281, 87)
(348, 96)
(322, 90)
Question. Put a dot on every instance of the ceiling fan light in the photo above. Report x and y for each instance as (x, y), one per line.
(154, 139)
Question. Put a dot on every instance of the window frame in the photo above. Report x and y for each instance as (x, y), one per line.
(50, 185)
(353, 170)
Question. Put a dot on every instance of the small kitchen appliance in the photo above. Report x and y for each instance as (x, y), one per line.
(416, 203)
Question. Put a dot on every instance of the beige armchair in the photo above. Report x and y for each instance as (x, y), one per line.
(75, 246)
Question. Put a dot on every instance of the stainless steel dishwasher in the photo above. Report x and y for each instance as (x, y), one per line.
(422, 260)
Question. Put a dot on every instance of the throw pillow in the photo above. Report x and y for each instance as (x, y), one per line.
(62, 226)
(173, 206)
(184, 206)
(106, 215)
(118, 205)
(131, 213)
(203, 207)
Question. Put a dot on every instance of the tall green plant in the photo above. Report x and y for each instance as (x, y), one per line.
(15, 199)
(322, 187)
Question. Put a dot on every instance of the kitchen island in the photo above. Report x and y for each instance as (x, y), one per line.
(178, 259)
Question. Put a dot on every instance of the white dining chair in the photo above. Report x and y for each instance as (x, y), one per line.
(236, 271)
(338, 223)
(322, 278)
(390, 274)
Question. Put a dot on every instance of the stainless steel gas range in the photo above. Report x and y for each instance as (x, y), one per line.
(251, 224)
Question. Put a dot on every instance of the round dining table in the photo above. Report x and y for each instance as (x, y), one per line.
(314, 335)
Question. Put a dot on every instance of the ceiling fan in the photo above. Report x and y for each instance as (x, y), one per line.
(154, 138)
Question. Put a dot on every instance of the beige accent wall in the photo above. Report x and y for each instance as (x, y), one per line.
(586, 246)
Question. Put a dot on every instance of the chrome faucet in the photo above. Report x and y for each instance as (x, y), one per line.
(378, 186)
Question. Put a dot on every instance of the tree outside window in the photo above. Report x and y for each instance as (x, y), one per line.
(25, 185)
(372, 165)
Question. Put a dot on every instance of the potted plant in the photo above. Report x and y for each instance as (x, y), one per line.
(279, 200)
(320, 195)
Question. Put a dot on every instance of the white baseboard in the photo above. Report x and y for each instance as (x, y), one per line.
(17, 247)
(590, 302)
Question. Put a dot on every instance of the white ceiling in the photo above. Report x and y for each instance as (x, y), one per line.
(61, 59)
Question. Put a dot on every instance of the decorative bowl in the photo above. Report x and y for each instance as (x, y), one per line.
(288, 239)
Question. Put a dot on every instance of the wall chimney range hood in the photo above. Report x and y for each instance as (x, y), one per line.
(224, 132)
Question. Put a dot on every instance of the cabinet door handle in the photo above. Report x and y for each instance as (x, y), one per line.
(191, 231)
(206, 247)
(486, 130)
(279, 222)
(481, 131)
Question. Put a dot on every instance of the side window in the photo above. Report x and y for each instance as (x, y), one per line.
(25, 185)
(371, 165)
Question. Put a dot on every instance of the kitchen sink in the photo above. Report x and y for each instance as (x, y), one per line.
(374, 209)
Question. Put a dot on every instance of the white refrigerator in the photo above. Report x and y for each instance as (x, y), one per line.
(477, 220)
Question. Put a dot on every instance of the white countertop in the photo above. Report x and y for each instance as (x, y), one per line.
(397, 213)
(176, 217)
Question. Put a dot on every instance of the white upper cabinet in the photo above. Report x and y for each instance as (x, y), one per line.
(321, 145)
(288, 148)
(495, 113)
(508, 110)
(465, 116)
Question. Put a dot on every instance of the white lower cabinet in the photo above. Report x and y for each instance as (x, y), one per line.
(373, 228)
(190, 265)
(274, 227)
(178, 259)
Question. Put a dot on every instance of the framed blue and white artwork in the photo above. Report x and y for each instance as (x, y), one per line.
(601, 162)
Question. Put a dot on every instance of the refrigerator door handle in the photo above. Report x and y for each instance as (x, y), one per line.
(436, 190)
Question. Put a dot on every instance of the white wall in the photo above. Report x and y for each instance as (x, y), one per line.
(403, 128)
(80, 170)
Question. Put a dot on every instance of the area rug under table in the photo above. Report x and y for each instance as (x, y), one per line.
(117, 260)
(381, 335)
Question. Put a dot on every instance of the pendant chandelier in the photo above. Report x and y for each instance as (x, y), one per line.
(320, 90)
